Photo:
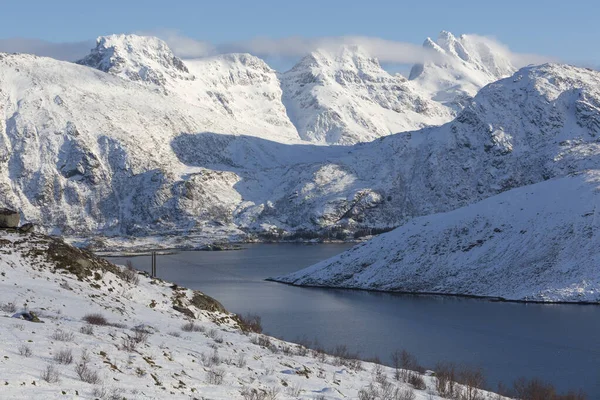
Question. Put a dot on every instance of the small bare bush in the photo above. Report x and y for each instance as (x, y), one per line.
(241, 360)
(175, 334)
(405, 394)
(260, 394)
(25, 351)
(131, 342)
(87, 330)
(473, 380)
(212, 360)
(215, 335)
(191, 327)
(294, 390)
(130, 274)
(415, 379)
(253, 394)
(102, 392)
(379, 375)
(63, 336)
(368, 393)
(51, 374)
(10, 307)
(85, 372)
(95, 319)
(535, 389)
(64, 356)
(215, 376)
(250, 323)
(445, 374)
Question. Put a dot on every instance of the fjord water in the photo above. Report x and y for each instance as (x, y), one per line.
(558, 343)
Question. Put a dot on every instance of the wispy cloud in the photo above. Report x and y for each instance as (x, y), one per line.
(517, 59)
(69, 51)
(292, 48)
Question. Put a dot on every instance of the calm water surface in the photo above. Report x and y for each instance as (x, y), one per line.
(558, 343)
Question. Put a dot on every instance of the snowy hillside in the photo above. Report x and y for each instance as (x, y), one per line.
(463, 66)
(109, 333)
(538, 242)
(345, 97)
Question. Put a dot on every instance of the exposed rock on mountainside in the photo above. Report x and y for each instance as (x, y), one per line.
(9, 218)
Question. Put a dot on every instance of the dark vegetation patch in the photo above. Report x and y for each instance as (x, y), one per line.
(204, 302)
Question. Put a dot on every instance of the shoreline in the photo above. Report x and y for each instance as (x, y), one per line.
(491, 299)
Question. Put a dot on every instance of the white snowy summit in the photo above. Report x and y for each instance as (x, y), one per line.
(138, 58)
(346, 97)
(460, 67)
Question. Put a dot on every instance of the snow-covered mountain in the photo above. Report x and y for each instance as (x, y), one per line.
(346, 97)
(535, 243)
(460, 67)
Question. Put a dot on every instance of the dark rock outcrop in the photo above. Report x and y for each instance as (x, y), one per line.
(9, 218)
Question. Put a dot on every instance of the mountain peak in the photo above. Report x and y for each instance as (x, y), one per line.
(137, 58)
(465, 64)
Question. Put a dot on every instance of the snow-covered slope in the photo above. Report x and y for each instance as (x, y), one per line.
(538, 242)
(345, 97)
(460, 68)
(142, 350)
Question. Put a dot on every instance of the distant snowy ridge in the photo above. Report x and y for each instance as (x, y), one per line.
(534, 243)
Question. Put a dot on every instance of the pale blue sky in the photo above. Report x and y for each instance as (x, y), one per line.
(565, 30)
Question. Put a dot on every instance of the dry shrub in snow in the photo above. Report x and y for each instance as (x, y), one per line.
(95, 319)
(259, 394)
(130, 274)
(25, 351)
(50, 374)
(63, 336)
(191, 327)
(215, 376)
(250, 323)
(8, 307)
(64, 356)
(85, 372)
(86, 330)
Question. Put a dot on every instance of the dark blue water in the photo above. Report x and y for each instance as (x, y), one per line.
(557, 343)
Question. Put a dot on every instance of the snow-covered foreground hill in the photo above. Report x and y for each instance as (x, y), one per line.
(535, 243)
(141, 351)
